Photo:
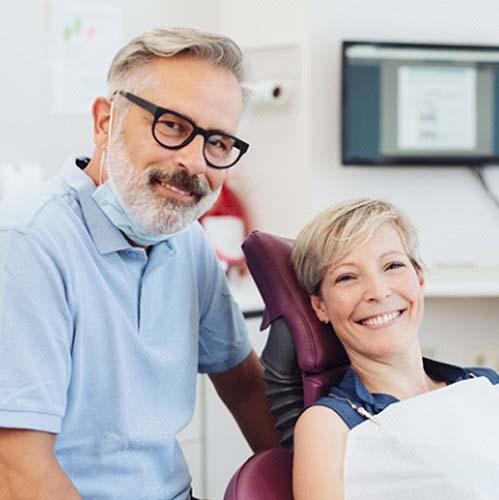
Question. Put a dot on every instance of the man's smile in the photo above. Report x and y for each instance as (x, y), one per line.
(179, 186)
(179, 192)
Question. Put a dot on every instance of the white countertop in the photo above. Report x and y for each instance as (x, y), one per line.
(246, 294)
(471, 281)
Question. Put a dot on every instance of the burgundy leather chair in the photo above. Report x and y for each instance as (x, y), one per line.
(265, 476)
(302, 358)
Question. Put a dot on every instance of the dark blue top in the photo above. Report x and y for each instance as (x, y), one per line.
(351, 391)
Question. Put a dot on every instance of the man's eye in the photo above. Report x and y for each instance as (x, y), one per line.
(172, 125)
(219, 144)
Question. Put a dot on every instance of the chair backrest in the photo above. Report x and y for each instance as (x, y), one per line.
(302, 354)
(302, 358)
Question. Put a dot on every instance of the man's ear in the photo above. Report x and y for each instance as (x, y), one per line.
(101, 109)
(319, 308)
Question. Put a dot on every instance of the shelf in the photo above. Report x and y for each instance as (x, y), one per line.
(465, 282)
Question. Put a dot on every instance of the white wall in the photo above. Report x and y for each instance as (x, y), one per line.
(270, 177)
(260, 23)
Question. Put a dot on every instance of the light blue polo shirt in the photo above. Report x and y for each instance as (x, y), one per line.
(101, 343)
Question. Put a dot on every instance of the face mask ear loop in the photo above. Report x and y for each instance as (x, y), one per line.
(103, 156)
(102, 160)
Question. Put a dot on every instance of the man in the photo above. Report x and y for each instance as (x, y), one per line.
(111, 300)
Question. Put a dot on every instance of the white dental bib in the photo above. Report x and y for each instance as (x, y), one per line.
(441, 445)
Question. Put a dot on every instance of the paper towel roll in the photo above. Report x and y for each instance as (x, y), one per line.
(269, 92)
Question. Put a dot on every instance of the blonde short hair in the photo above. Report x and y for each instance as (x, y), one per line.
(334, 232)
(126, 68)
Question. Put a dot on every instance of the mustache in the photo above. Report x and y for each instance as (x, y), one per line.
(192, 183)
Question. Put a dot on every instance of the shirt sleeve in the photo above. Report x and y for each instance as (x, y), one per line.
(35, 336)
(223, 339)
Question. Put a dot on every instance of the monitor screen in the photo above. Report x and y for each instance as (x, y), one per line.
(419, 104)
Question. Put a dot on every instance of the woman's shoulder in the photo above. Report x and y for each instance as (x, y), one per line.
(318, 424)
(319, 450)
(316, 414)
(343, 406)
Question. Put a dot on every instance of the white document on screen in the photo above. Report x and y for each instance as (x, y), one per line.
(442, 445)
(437, 108)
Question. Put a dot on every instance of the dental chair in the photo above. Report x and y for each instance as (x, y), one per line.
(302, 360)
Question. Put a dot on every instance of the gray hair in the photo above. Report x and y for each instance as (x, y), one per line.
(334, 233)
(125, 70)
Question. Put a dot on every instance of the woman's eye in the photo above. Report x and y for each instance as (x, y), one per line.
(343, 278)
(395, 265)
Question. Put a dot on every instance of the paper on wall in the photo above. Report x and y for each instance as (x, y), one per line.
(83, 38)
(437, 108)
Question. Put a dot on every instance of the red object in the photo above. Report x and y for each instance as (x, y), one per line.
(229, 204)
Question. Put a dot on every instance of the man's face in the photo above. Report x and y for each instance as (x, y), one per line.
(164, 189)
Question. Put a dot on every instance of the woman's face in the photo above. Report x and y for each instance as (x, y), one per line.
(373, 296)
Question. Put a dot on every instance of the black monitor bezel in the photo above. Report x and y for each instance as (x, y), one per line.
(423, 160)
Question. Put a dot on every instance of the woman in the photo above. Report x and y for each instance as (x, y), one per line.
(358, 262)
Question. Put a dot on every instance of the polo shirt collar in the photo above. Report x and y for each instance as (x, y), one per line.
(444, 372)
(437, 370)
(352, 384)
(107, 237)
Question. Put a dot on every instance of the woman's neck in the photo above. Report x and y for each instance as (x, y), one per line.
(401, 376)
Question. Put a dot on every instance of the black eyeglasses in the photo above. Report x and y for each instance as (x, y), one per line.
(174, 131)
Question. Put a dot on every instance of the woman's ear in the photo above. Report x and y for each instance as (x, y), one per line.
(319, 308)
(421, 278)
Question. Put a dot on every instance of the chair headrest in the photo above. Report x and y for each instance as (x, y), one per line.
(268, 259)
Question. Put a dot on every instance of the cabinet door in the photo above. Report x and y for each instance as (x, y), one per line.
(225, 446)
(191, 440)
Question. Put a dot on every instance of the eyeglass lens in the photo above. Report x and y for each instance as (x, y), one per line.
(172, 131)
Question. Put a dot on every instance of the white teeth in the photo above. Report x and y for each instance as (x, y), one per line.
(174, 189)
(382, 319)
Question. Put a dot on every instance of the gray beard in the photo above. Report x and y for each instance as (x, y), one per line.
(153, 214)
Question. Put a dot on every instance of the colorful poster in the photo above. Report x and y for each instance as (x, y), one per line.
(83, 38)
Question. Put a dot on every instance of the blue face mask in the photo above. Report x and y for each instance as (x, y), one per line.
(110, 202)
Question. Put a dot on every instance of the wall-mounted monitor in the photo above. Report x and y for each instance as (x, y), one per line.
(419, 104)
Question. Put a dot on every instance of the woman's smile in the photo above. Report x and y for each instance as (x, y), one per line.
(382, 320)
